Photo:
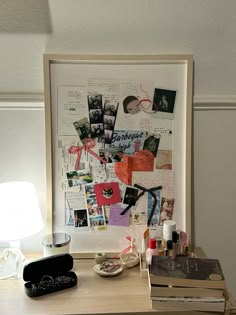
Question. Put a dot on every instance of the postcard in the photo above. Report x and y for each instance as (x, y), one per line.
(128, 141)
(107, 193)
(150, 203)
(138, 217)
(164, 160)
(76, 178)
(167, 209)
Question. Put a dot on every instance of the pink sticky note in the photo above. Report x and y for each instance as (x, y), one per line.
(114, 215)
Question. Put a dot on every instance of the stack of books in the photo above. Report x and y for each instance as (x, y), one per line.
(183, 283)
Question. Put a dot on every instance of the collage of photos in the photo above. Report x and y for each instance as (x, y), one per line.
(102, 117)
(117, 151)
(95, 213)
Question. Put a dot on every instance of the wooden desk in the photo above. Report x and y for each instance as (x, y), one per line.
(126, 293)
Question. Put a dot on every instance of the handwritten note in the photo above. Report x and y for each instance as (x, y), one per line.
(71, 100)
(114, 215)
(75, 199)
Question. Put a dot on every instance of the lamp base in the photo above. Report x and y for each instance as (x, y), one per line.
(11, 263)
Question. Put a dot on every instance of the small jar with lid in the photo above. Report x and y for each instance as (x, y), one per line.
(56, 243)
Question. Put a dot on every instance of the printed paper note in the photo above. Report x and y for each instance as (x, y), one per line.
(128, 141)
(71, 101)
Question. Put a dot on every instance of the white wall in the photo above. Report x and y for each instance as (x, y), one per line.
(204, 28)
(22, 138)
(214, 188)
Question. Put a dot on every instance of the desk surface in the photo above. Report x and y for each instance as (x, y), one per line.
(126, 293)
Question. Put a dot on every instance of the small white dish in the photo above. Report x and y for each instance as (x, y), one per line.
(108, 269)
(129, 260)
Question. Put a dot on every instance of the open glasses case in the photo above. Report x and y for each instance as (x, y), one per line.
(48, 275)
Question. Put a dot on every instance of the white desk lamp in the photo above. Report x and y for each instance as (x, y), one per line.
(20, 217)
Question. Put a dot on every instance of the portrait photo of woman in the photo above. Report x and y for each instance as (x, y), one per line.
(131, 105)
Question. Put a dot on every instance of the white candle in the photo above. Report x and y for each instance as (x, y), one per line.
(56, 243)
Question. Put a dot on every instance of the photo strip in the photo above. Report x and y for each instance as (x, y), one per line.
(109, 119)
(96, 214)
(95, 115)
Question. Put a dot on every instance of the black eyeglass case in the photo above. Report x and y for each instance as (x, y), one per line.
(49, 274)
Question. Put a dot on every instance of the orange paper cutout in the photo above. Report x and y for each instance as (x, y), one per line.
(123, 170)
(141, 161)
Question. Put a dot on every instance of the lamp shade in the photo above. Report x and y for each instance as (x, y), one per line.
(20, 215)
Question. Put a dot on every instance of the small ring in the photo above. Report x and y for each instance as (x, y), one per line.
(47, 278)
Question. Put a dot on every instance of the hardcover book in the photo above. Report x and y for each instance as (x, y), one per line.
(193, 304)
(171, 291)
(186, 272)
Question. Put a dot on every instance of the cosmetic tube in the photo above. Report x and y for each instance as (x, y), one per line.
(151, 251)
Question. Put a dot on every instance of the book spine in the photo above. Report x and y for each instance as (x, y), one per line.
(185, 292)
(192, 283)
(191, 306)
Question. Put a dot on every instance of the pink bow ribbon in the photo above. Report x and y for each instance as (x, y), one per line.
(128, 248)
(88, 144)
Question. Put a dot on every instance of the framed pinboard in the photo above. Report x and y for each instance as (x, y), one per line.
(118, 146)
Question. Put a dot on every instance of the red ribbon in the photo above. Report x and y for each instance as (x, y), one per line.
(127, 249)
(147, 99)
(88, 144)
